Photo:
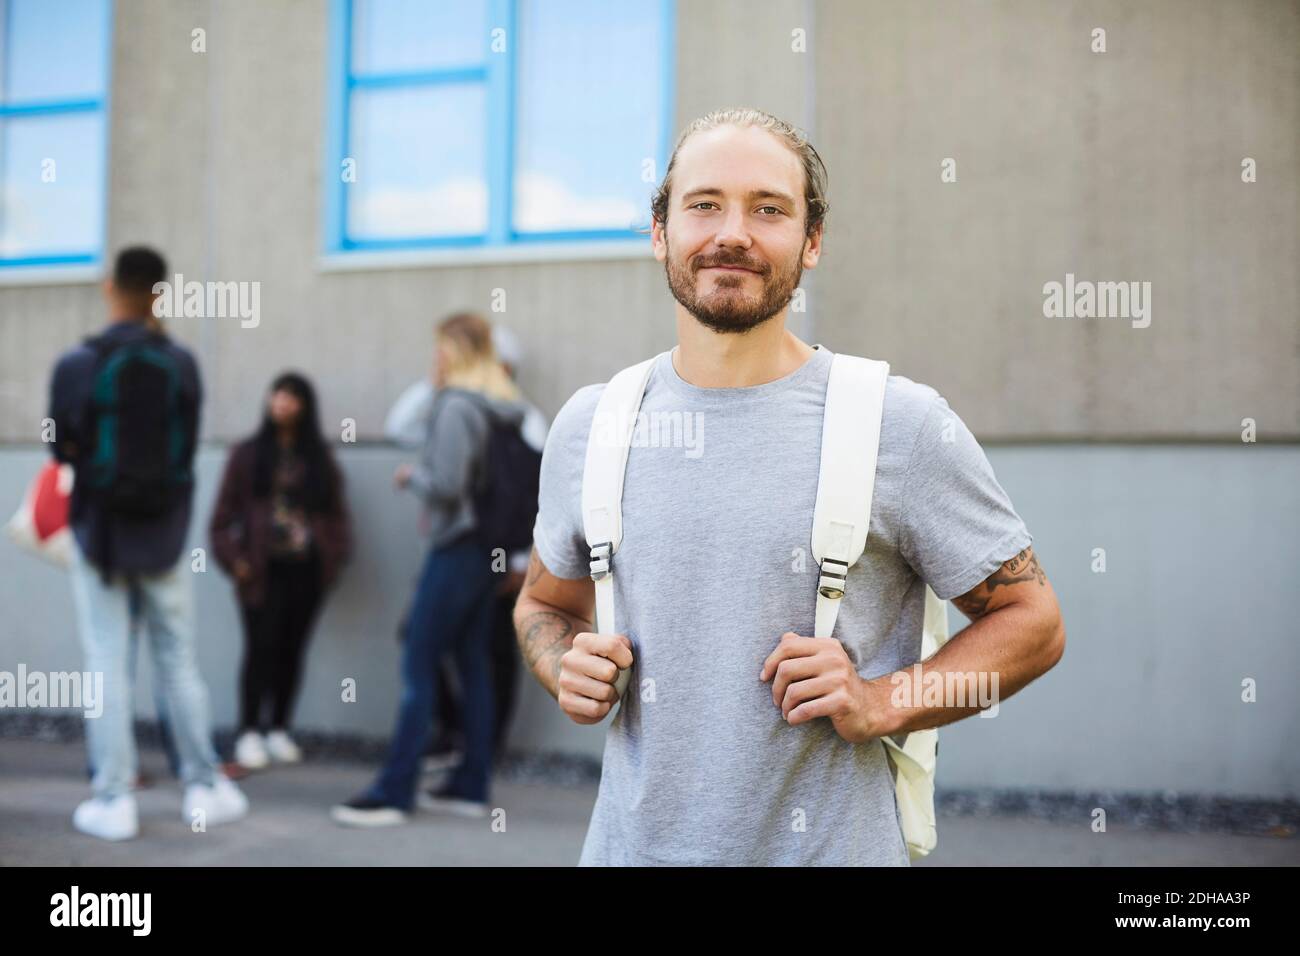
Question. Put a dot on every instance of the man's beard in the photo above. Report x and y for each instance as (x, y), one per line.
(732, 309)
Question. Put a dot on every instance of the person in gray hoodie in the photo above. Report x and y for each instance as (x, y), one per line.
(406, 425)
(454, 601)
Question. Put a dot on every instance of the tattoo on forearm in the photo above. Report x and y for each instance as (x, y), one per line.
(1023, 567)
(544, 636)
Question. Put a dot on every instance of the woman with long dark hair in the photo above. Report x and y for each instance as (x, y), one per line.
(280, 530)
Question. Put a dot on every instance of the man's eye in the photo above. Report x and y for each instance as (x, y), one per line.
(774, 209)
(704, 203)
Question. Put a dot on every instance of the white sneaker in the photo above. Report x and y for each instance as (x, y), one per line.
(433, 802)
(116, 819)
(367, 812)
(250, 750)
(436, 763)
(281, 748)
(222, 802)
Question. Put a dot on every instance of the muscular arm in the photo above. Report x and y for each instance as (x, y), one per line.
(549, 613)
(1016, 631)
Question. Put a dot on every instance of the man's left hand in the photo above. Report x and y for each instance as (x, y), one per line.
(813, 677)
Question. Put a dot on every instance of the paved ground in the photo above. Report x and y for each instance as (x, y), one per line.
(289, 824)
(40, 783)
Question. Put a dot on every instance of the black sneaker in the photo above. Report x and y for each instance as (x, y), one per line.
(365, 811)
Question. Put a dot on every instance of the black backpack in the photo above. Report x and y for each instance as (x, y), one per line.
(138, 462)
(505, 503)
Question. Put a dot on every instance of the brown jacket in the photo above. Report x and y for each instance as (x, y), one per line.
(240, 526)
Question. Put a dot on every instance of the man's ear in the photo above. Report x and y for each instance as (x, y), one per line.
(658, 239)
(812, 248)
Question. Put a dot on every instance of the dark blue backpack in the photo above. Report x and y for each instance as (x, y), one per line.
(137, 463)
(505, 503)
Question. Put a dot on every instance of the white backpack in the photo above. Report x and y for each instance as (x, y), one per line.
(850, 441)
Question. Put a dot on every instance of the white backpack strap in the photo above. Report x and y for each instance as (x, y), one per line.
(602, 484)
(855, 399)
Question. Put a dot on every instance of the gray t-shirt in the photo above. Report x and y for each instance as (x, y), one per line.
(715, 565)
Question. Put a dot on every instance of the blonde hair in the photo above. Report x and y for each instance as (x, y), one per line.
(814, 170)
(472, 362)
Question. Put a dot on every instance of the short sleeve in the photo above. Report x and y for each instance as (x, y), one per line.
(557, 532)
(957, 524)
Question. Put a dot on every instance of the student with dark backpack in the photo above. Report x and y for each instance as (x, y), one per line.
(507, 506)
(125, 408)
(405, 425)
(469, 472)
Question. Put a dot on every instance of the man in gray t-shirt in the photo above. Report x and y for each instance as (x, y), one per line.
(705, 761)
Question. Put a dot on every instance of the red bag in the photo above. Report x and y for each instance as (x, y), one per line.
(40, 525)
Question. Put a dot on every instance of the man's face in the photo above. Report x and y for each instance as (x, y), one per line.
(734, 248)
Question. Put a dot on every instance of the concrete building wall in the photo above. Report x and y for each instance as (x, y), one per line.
(1115, 166)
(1201, 546)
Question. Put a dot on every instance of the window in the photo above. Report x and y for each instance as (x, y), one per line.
(54, 64)
(495, 122)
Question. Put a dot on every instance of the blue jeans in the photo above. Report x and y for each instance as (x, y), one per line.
(452, 612)
(104, 619)
(164, 732)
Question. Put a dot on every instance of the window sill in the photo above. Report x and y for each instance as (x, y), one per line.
(377, 260)
(50, 275)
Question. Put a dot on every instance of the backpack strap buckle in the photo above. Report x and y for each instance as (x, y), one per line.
(600, 560)
(834, 575)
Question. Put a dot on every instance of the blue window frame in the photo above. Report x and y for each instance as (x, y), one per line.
(55, 60)
(495, 122)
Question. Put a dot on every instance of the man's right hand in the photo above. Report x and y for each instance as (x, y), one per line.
(588, 671)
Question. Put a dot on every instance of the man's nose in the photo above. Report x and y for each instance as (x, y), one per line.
(732, 231)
